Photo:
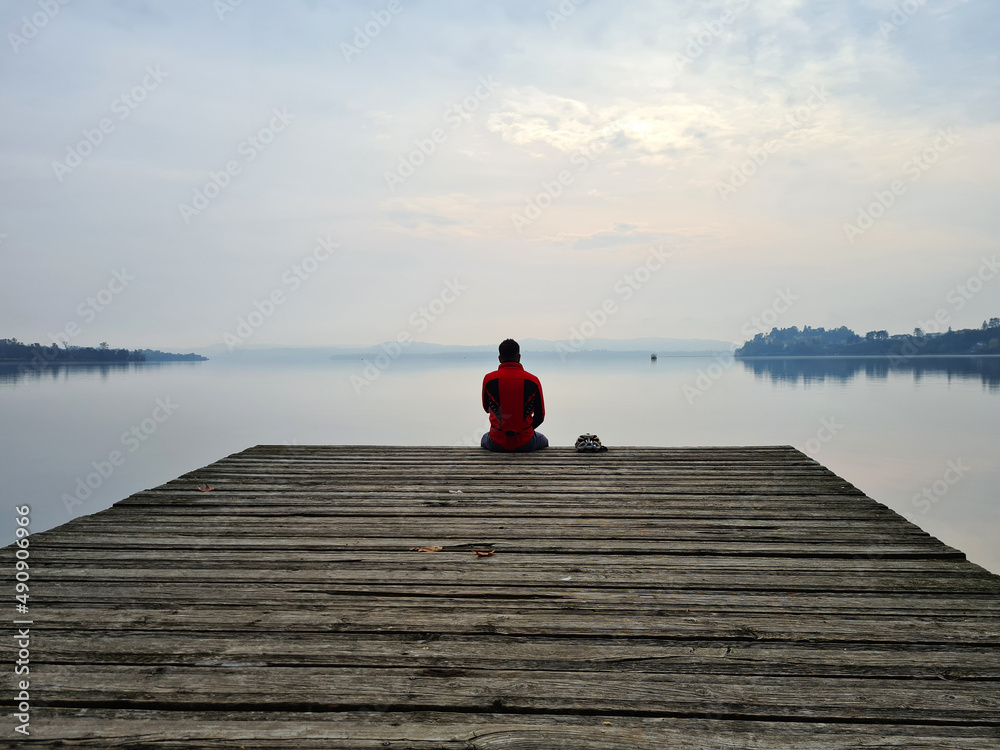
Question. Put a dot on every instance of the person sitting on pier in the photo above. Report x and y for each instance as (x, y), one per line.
(513, 398)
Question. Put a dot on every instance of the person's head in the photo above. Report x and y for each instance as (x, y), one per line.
(510, 351)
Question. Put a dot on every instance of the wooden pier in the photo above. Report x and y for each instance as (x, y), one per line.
(645, 598)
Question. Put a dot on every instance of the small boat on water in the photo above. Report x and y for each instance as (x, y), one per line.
(652, 357)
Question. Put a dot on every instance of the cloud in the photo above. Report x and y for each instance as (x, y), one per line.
(671, 127)
(622, 235)
(528, 115)
(454, 215)
(415, 219)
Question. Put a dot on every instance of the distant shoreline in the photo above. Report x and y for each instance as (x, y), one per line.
(843, 342)
(866, 356)
(99, 362)
(17, 352)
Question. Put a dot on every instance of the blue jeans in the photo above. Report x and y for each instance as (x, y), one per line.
(537, 442)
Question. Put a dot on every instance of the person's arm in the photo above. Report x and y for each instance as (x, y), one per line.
(539, 415)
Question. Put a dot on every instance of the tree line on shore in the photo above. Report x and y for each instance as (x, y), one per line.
(791, 342)
(12, 350)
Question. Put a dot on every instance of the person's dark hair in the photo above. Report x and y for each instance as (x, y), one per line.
(509, 350)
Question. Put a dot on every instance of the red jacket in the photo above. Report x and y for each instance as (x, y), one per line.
(513, 397)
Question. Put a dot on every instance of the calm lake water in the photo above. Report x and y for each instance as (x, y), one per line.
(921, 437)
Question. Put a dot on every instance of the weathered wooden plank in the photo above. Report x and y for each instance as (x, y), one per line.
(916, 547)
(474, 504)
(637, 489)
(424, 730)
(360, 527)
(53, 559)
(631, 458)
(391, 524)
(667, 602)
(542, 497)
(419, 477)
(311, 688)
(478, 572)
(467, 568)
(693, 477)
(422, 475)
(377, 617)
(456, 456)
(387, 453)
(561, 465)
(495, 531)
(953, 662)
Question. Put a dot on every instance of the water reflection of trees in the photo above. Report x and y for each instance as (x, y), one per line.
(808, 370)
(12, 374)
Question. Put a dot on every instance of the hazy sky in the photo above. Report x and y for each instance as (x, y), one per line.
(507, 166)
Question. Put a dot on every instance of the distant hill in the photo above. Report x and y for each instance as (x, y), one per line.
(155, 355)
(660, 346)
(820, 342)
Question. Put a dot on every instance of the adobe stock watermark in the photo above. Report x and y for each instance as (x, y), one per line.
(900, 16)
(94, 304)
(131, 439)
(363, 35)
(454, 116)
(769, 316)
(122, 105)
(701, 41)
(249, 148)
(562, 12)
(758, 156)
(582, 158)
(474, 438)
(624, 289)
(761, 323)
(88, 310)
(419, 320)
(914, 168)
(828, 430)
(31, 26)
(961, 294)
(958, 297)
(224, 7)
(292, 280)
(930, 495)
